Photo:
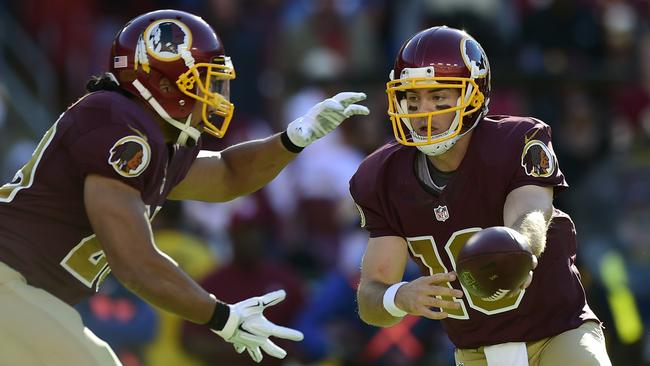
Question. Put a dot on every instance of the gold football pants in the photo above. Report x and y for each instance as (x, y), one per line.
(583, 346)
(36, 328)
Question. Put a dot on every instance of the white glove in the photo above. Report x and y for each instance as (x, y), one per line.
(248, 329)
(325, 117)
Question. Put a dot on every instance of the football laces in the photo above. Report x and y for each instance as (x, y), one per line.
(498, 295)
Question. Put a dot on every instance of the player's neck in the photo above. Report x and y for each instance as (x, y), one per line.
(450, 160)
(169, 132)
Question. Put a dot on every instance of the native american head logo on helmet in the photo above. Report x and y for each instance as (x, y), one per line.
(167, 36)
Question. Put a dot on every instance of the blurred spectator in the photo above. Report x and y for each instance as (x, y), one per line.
(120, 318)
(327, 39)
(613, 205)
(580, 135)
(620, 24)
(3, 105)
(65, 30)
(319, 188)
(332, 329)
(195, 258)
(334, 334)
(210, 221)
(249, 29)
(19, 153)
(249, 229)
(632, 101)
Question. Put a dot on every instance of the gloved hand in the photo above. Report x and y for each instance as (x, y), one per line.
(325, 117)
(248, 329)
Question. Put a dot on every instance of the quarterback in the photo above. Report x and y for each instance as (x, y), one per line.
(452, 172)
(81, 206)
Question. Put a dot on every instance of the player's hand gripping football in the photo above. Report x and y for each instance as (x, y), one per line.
(324, 117)
(419, 296)
(248, 329)
(528, 280)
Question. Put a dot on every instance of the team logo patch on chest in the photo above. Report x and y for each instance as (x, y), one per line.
(130, 156)
(442, 214)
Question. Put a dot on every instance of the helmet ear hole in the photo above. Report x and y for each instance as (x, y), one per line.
(165, 85)
(126, 76)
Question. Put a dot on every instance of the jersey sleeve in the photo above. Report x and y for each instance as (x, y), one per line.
(113, 150)
(536, 162)
(365, 191)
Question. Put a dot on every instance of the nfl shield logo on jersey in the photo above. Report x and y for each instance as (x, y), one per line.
(442, 214)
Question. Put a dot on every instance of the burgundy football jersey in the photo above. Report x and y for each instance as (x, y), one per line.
(505, 153)
(44, 231)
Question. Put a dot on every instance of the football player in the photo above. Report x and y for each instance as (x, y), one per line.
(452, 172)
(81, 207)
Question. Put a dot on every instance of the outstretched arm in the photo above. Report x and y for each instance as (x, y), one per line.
(236, 171)
(119, 219)
(528, 210)
(247, 167)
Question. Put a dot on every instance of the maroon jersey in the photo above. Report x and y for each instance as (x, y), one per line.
(44, 231)
(505, 153)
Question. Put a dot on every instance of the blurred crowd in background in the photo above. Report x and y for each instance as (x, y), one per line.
(582, 66)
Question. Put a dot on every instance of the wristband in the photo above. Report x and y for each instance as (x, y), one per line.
(219, 316)
(389, 301)
(286, 142)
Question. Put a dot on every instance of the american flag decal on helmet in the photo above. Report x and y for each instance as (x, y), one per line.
(120, 62)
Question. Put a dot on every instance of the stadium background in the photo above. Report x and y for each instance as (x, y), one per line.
(583, 66)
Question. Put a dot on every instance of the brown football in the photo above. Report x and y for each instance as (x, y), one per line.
(493, 262)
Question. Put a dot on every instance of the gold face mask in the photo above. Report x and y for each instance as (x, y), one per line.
(209, 83)
(471, 99)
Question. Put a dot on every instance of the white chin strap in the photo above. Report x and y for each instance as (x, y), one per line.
(186, 128)
(438, 148)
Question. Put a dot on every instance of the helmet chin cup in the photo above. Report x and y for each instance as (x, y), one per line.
(444, 143)
(438, 148)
